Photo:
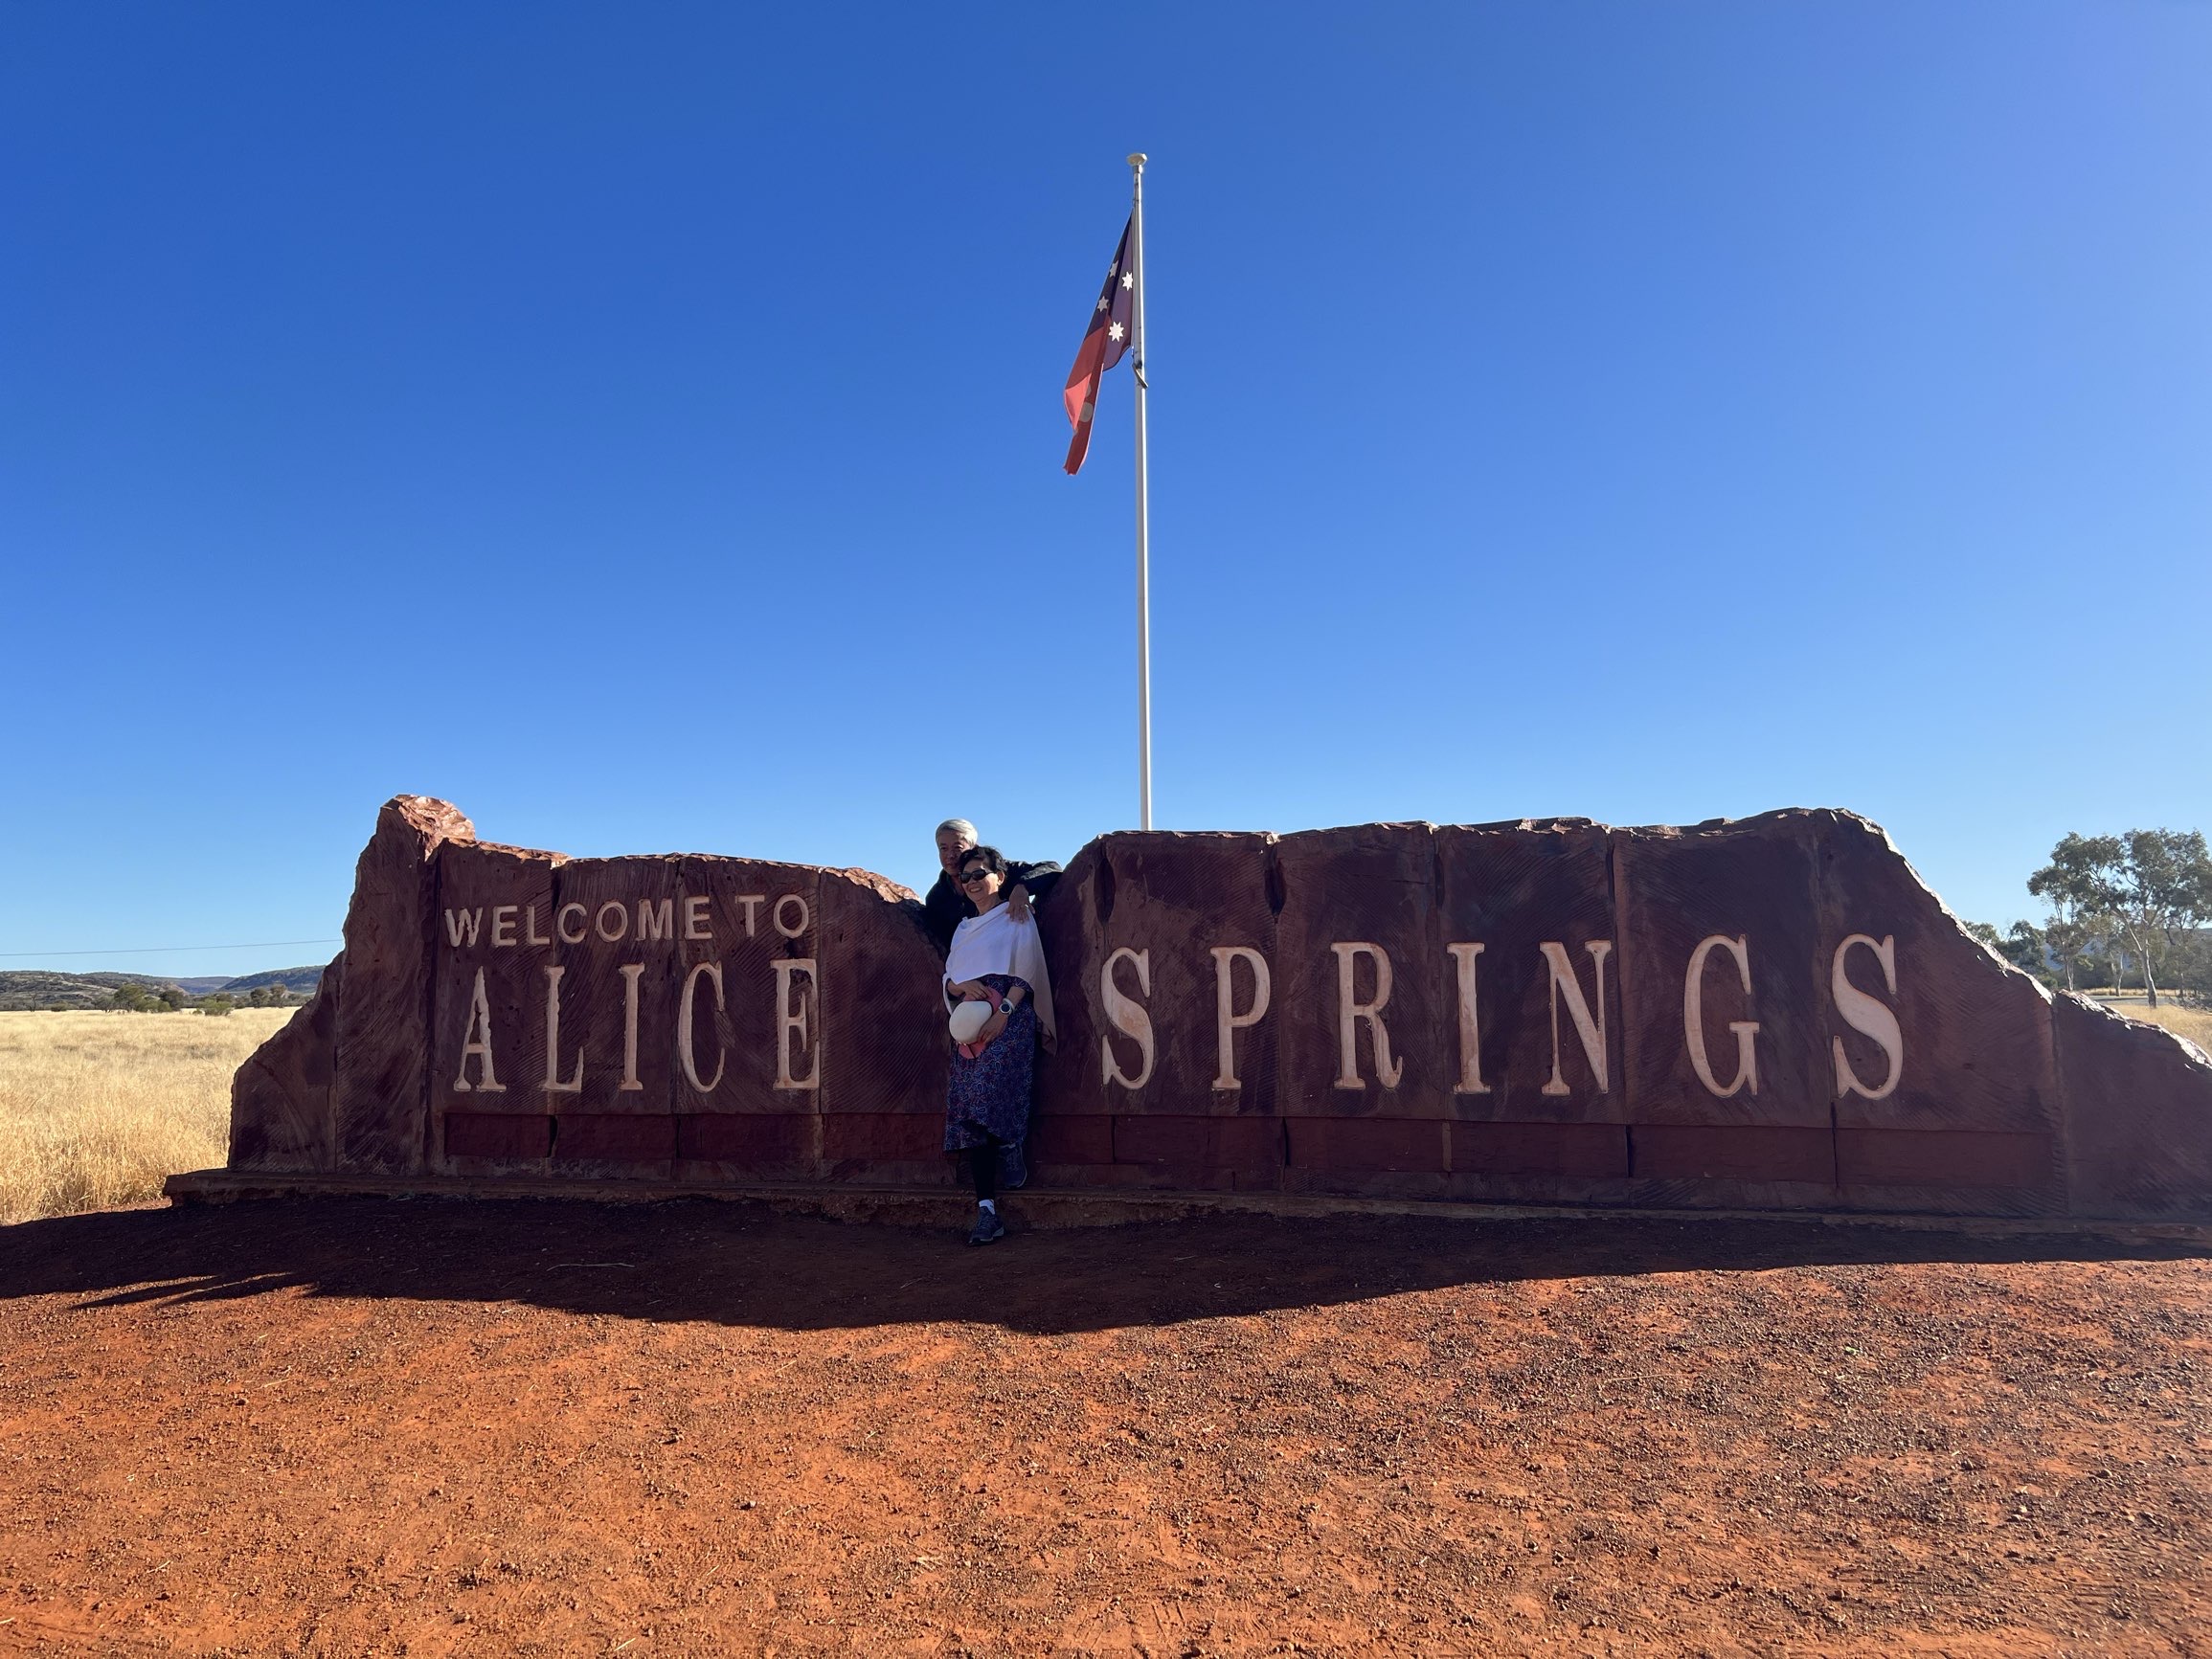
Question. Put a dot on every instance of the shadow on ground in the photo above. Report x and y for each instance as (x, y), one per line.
(742, 1264)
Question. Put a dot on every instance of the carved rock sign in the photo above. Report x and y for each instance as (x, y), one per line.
(1771, 1014)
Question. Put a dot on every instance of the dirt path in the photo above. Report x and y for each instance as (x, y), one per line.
(349, 1427)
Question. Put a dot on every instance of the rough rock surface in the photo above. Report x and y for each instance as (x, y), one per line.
(1768, 1014)
(383, 1031)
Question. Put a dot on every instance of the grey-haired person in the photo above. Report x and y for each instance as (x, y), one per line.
(946, 905)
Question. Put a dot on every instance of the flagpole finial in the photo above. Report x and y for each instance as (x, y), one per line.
(1138, 160)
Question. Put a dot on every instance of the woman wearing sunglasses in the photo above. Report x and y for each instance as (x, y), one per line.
(999, 998)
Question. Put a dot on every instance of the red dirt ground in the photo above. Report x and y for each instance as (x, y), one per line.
(354, 1426)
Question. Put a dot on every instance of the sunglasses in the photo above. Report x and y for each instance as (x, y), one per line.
(969, 878)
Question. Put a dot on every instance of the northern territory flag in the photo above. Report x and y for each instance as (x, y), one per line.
(1103, 344)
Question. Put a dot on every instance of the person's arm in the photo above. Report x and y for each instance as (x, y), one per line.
(1015, 995)
(1027, 885)
(974, 991)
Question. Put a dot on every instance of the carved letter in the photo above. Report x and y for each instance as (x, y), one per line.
(1463, 958)
(503, 924)
(562, 924)
(529, 934)
(1694, 1017)
(1469, 1028)
(791, 1018)
(1225, 1018)
(1868, 1015)
(552, 1038)
(622, 914)
(751, 903)
(1349, 1011)
(696, 918)
(684, 1046)
(460, 922)
(656, 922)
(479, 1021)
(1590, 1031)
(806, 917)
(631, 972)
(1127, 1016)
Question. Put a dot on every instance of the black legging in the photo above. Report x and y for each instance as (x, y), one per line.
(984, 1160)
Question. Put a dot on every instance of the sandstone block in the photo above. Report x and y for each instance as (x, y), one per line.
(379, 1086)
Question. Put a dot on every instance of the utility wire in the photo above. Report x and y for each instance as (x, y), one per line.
(161, 950)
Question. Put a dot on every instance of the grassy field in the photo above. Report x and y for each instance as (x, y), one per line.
(96, 1109)
(2194, 1024)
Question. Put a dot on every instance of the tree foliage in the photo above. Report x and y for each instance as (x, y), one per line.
(2160, 894)
(2024, 947)
(2151, 888)
(2073, 884)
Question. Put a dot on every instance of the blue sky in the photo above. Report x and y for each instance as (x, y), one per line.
(641, 426)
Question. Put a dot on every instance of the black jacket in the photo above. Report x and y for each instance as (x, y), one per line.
(947, 906)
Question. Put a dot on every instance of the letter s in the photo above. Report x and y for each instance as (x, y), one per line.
(1128, 1016)
(1866, 1015)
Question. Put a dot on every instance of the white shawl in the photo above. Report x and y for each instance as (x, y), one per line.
(994, 943)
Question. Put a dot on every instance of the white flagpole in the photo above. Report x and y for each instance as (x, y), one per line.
(1143, 563)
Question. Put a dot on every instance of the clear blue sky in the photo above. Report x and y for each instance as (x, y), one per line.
(641, 426)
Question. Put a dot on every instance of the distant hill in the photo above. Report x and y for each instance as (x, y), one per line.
(34, 989)
(302, 981)
(37, 988)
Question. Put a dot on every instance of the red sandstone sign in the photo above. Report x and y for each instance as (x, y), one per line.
(1767, 1014)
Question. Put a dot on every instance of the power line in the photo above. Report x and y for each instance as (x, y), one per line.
(163, 950)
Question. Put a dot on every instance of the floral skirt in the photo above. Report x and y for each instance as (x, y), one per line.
(987, 1100)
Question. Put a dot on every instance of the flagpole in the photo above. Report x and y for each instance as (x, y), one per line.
(1143, 561)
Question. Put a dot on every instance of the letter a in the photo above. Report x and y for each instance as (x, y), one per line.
(478, 1021)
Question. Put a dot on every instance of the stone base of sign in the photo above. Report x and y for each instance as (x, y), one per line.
(1770, 1014)
(1062, 1207)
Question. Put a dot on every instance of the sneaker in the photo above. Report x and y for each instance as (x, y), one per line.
(1013, 1167)
(988, 1228)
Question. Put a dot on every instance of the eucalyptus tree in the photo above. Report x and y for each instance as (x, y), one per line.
(2076, 885)
(2150, 887)
(2158, 893)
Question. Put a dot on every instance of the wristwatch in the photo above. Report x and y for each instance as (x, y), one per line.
(1005, 1006)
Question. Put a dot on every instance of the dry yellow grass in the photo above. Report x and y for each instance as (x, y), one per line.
(2194, 1024)
(96, 1109)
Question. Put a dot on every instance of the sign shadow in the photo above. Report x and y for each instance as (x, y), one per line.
(741, 1264)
